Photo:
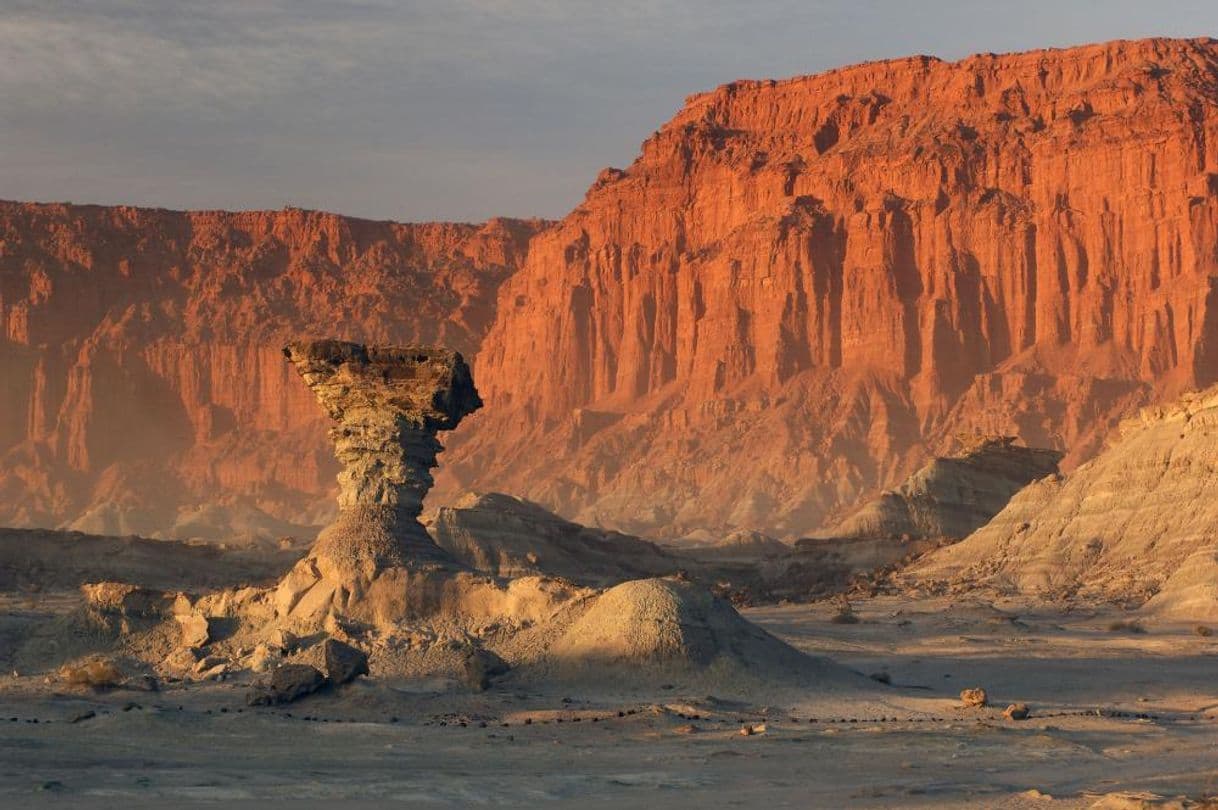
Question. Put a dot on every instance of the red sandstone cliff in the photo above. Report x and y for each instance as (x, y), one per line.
(140, 353)
(802, 289)
(799, 292)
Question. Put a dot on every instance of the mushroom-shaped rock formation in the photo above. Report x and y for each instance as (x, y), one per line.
(376, 562)
(388, 403)
(375, 575)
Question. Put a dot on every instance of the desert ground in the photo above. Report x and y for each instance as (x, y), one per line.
(1115, 714)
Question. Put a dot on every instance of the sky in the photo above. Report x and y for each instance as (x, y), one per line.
(437, 110)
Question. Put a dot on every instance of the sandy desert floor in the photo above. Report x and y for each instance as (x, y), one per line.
(1113, 712)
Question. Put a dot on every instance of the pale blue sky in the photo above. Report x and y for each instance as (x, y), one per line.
(451, 109)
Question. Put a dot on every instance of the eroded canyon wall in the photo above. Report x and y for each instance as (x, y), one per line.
(143, 386)
(802, 289)
(799, 292)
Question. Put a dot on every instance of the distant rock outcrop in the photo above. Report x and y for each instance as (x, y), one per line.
(511, 537)
(953, 496)
(795, 297)
(745, 543)
(1137, 521)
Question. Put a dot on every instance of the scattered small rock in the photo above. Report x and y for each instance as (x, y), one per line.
(845, 612)
(1016, 711)
(1125, 626)
(83, 716)
(264, 657)
(181, 660)
(98, 674)
(284, 639)
(205, 664)
(974, 698)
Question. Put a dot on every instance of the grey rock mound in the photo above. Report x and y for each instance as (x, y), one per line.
(511, 537)
(667, 628)
(1136, 521)
(951, 497)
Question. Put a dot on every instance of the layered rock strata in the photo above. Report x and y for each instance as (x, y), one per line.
(802, 290)
(952, 496)
(796, 296)
(143, 388)
(1136, 521)
(388, 404)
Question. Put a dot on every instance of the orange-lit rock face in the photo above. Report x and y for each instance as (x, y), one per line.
(140, 364)
(802, 288)
(799, 292)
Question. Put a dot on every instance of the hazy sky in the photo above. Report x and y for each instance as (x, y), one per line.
(449, 109)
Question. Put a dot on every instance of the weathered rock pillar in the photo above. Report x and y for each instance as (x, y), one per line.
(388, 402)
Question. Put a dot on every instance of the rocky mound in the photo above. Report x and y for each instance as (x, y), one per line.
(1135, 521)
(670, 627)
(376, 583)
(952, 496)
(511, 537)
(741, 543)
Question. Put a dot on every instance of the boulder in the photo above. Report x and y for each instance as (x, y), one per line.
(343, 663)
(338, 661)
(196, 630)
(287, 683)
(120, 598)
(1016, 711)
(480, 667)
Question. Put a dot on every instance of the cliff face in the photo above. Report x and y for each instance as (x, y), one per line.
(141, 369)
(802, 289)
(798, 293)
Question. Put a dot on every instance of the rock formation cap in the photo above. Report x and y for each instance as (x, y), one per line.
(430, 386)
